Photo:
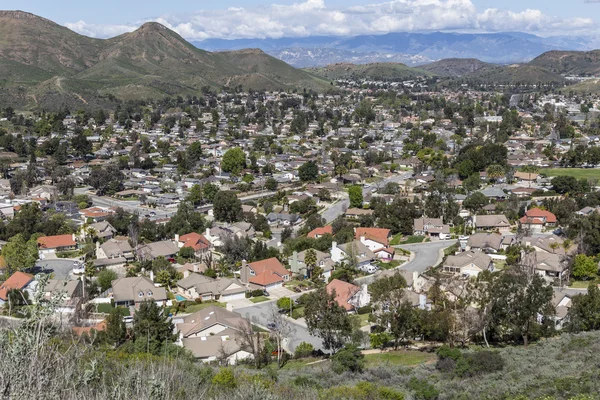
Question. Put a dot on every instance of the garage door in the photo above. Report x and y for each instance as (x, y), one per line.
(230, 297)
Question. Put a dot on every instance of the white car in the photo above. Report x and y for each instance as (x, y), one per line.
(463, 237)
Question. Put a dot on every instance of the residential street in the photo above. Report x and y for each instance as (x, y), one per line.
(426, 254)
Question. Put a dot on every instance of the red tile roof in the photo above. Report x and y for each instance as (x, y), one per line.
(52, 242)
(270, 264)
(379, 235)
(195, 240)
(266, 278)
(538, 213)
(18, 280)
(343, 292)
(320, 231)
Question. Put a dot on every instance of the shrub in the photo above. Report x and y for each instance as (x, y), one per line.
(303, 350)
(198, 300)
(284, 303)
(422, 389)
(446, 351)
(225, 378)
(348, 359)
(306, 381)
(364, 310)
(479, 363)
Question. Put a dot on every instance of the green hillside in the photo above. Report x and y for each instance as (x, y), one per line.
(570, 62)
(41, 60)
(375, 71)
(456, 67)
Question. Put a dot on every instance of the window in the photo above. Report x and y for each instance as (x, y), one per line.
(150, 293)
(141, 294)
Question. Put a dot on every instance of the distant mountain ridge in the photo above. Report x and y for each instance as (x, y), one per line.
(49, 65)
(409, 48)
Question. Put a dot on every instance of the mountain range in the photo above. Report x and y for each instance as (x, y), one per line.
(409, 48)
(47, 65)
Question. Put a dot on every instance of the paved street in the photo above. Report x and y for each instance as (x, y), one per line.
(426, 254)
(336, 209)
(260, 313)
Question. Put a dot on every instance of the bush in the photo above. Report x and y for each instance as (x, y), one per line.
(304, 350)
(305, 381)
(284, 303)
(446, 351)
(254, 293)
(225, 378)
(480, 363)
(364, 310)
(422, 389)
(348, 359)
(198, 300)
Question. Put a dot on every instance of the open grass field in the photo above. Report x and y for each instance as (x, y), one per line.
(405, 358)
(587, 173)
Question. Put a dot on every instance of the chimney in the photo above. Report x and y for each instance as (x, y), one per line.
(196, 267)
(73, 237)
(333, 246)
(152, 275)
(207, 234)
(362, 239)
(244, 272)
(177, 238)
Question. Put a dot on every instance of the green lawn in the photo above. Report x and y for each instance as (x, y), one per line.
(201, 306)
(259, 299)
(413, 239)
(396, 239)
(587, 173)
(405, 358)
(107, 308)
(579, 284)
(389, 265)
(363, 318)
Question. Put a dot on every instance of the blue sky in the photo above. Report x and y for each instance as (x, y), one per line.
(201, 19)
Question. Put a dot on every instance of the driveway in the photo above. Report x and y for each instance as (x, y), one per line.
(61, 267)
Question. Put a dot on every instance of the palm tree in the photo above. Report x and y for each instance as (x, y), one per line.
(495, 171)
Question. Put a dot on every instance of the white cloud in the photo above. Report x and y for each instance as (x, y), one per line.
(313, 17)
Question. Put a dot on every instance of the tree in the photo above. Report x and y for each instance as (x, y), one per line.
(152, 328)
(518, 301)
(584, 313)
(585, 267)
(495, 172)
(81, 145)
(327, 320)
(106, 180)
(196, 195)
(209, 191)
(115, 331)
(271, 184)
(348, 358)
(310, 260)
(475, 202)
(281, 329)
(227, 207)
(105, 279)
(308, 172)
(356, 196)
(391, 309)
(233, 161)
(19, 254)
(566, 184)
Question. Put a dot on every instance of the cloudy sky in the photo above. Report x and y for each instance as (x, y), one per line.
(232, 19)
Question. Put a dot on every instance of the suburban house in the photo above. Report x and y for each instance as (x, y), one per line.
(196, 241)
(488, 242)
(526, 177)
(70, 292)
(356, 213)
(467, 264)
(19, 280)
(53, 244)
(497, 222)
(551, 266)
(212, 334)
(535, 220)
(298, 265)
(376, 240)
(200, 286)
(282, 219)
(550, 244)
(431, 227)
(102, 230)
(114, 248)
(319, 232)
(349, 296)
(269, 273)
(561, 302)
(166, 248)
(356, 249)
(133, 291)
